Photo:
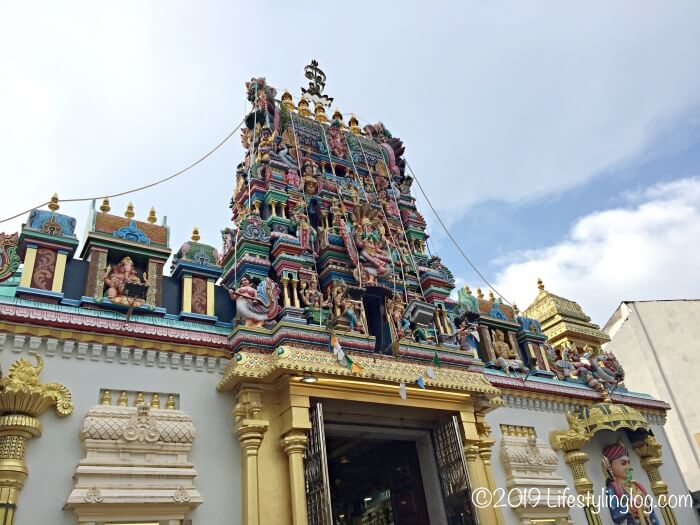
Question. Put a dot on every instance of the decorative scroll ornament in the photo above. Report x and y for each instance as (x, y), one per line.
(142, 426)
(9, 260)
(181, 495)
(21, 391)
(93, 495)
(317, 83)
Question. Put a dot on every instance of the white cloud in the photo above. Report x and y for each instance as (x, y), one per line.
(649, 249)
(492, 101)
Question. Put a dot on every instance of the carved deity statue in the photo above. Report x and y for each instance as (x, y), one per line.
(312, 296)
(462, 336)
(266, 145)
(627, 499)
(345, 307)
(256, 306)
(311, 178)
(506, 358)
(305, 232)
(117, 277)
(395, 307)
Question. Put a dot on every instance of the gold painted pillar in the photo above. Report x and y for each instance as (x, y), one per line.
(187, 293)
(576, 459)
(250, 429)
(59, 271)
(484, 447)
(22, 400)
(25, 280)
(210, 297)
(294, 445)
(475, 466)
(649, 451)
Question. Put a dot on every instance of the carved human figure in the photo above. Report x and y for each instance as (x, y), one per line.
(305, 232)
(310, 175)
(396, 307)
(368, 239)
(628, 501)
(116, 279)
(462, 336)
(266, 145)
(312, 296)
(506, 358)
(291, 178)
(346, 307)
(256, 306)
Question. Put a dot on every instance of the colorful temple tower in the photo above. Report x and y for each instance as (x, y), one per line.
(363, 387)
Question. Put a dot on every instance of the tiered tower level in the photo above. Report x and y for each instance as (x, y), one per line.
(326, 252)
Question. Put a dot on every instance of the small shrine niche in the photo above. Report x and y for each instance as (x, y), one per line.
(197, 266)
(126, 259)
(46, 243)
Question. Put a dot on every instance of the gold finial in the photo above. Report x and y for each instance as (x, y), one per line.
(337, 115)
(479, 293)
(129, 213)
(104, 208)
(155, 401)
(540, 285)
(195, 234)
(287, 101)
(170, 404)
(152, 216)
(353, 124)
(53, 203)
(139, 399)
(304, 107)
(106, 398)
(123, 400)
(467, 290)
(491, 296)
(516, 310)
(320, 113)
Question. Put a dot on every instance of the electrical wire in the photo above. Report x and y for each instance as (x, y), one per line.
(447, 231)
(140, 188)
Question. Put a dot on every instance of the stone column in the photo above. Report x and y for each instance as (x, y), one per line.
(22, 400)
(649, 451)
(285, 291)
(294, 445)
(250, 429)
(295, 294)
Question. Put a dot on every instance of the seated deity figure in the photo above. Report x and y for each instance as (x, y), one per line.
(628, 501)
(312, 296)
(116, 278)
(506, 358)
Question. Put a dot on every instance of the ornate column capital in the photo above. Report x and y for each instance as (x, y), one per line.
(22, 400)
(294, 443)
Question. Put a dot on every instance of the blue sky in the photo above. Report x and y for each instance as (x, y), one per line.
(557, 139)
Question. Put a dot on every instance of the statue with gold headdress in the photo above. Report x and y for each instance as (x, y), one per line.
(367, 237)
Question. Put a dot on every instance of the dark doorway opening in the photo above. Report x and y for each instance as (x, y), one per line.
(375, 482)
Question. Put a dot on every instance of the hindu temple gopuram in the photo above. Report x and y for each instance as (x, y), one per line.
(318, 367)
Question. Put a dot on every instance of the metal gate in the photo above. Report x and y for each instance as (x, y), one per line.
(454, 478)
(318, 490)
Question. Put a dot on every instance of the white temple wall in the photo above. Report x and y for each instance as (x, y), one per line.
(53, 457)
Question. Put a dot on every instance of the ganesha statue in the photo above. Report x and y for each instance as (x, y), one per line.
(116, 278)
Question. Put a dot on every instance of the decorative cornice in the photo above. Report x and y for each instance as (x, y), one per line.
(267, 366)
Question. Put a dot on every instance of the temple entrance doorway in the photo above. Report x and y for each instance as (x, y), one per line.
(360, 473)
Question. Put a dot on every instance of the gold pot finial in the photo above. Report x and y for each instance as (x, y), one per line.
(123, 399)
(155, 401)
(479, 293)
(288, 101)
(540, 285)
(129, 213)
(195, 234)
(337, 115)
(170, 403)
(104, 207)
(320, 113)
(139, 399)
(304, 107)
(53, 203)
(354, 125)
(106, 398)
(152, 216)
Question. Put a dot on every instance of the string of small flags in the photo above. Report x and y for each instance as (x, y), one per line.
(346, 361)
